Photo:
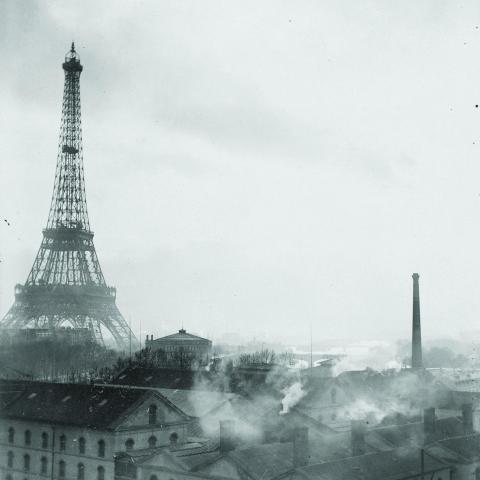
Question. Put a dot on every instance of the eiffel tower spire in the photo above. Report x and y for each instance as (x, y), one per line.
(66, 283)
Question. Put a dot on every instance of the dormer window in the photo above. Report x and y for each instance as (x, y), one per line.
(152, 414)
(129, 445)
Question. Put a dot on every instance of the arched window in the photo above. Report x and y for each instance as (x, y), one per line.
(101, 448)
(28, 437)
(10, 459)
(61, 469)
(174, 438)
(9, 477)
(100, 473)
(63, 443)
(152, 414)
(80, 471)
(152, 441)
(26, 462)
(44, 440)
(129, 444)
(477, 473)
(43, 465)
(11, 435)
(153, 477)
(81, 446)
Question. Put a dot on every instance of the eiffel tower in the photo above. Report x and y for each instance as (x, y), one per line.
(66, 284)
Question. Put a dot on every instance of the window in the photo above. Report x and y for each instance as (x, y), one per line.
(100, 473)
(26, 462)
(8, 477)
(61, 469)
(152, 441)
(153, 477)
(477, 473)
(129, 444)
(63, 443)
(11, 435)
(10, 459)
(101, 448)
(28, 437)
(152, 414)
(43, 465)
(81, 446)
(44, 440)
(174, 438)
(80, 471)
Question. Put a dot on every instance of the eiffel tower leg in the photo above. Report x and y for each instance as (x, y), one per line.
(118, 327)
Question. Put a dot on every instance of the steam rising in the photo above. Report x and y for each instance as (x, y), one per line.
(293, 394)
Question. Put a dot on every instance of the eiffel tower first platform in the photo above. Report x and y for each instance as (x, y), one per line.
(66, 284)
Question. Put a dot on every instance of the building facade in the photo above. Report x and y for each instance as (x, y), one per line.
(63, 431)
(182, 346)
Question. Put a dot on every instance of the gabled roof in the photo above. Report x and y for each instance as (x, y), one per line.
(181, 335)
(89, 406)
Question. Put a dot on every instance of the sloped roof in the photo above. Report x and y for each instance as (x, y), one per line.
(196, 403)
(164, 378)
(96, 407)
(413, 433)
(270, 460)
(391, 465)
(10, 389)
(181, 335)
(463, 449)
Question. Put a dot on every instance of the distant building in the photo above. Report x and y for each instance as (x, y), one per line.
(182, 345)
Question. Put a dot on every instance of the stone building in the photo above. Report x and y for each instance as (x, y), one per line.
(182, 345)
(67, 431)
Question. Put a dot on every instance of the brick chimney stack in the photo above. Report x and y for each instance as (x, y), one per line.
(429, 420)
(467, 418)
(417, 361)
(301, 451)
(227, 435)
(358, 437)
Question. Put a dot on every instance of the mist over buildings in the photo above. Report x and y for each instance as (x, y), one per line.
(253, 169)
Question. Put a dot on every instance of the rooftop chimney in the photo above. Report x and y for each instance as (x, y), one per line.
(467, 418)
(227, 435)
(358, 437)
(416, 330)
(429, 422)
(301, 453)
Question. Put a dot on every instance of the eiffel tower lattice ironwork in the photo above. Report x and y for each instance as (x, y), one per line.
(66, 283)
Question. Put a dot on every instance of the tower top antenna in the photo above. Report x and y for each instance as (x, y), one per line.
(73, 47)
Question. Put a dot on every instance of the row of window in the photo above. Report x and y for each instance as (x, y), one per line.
(62, 467)
(63, 442)
(152, 441)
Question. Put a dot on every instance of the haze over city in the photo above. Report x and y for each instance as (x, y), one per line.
(253, 168)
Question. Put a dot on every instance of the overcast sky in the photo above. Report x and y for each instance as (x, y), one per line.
(256, 167)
